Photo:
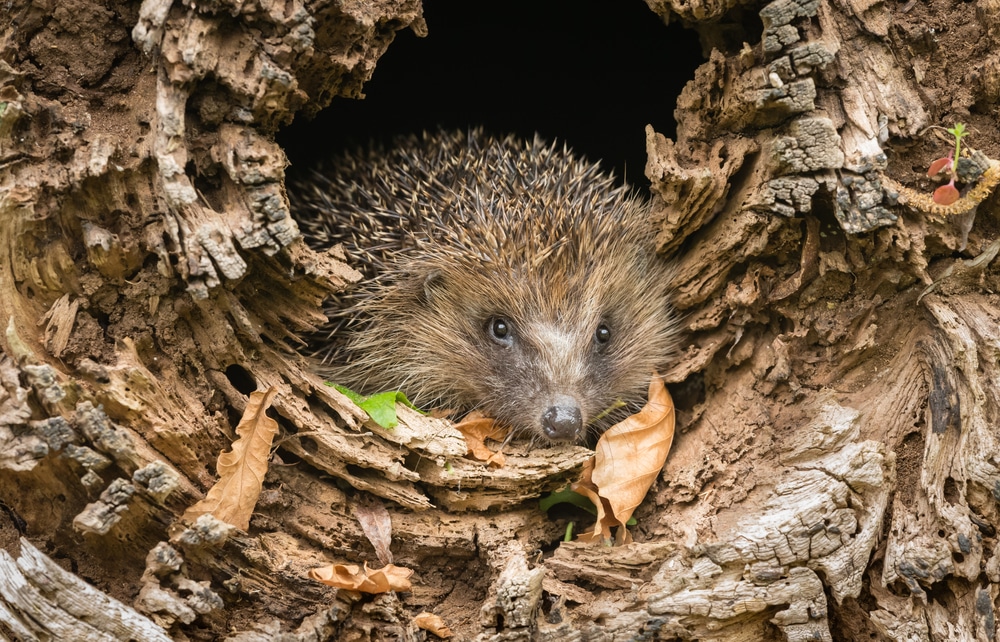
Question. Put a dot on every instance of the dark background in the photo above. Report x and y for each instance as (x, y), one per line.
(591, 73)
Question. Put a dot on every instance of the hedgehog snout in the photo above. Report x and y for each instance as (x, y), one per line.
(563, 420)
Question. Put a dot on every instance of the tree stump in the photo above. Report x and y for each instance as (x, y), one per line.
(835, 474)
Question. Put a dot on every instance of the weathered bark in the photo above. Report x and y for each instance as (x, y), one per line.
(835, 474)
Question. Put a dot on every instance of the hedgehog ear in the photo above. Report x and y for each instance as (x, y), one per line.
(433, 286)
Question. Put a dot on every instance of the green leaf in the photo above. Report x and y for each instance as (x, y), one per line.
(381, 407)
(566, 496)
(357, 398)
(958, 131)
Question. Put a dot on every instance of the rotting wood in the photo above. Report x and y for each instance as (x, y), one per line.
(841, 451)
(43, 601)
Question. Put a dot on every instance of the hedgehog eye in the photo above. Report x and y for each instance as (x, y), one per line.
(603, 334)
(499, 329)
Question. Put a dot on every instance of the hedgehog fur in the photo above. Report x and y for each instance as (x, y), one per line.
(503, 275)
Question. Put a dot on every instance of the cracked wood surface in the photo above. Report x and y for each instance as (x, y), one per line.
(834, 474)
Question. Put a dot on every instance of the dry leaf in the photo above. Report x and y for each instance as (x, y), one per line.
(586, 487)
(355, 578)
(241, 470)
(376, 524)
(433, 623)
(441, 413)
(628, 457)
(477, 429)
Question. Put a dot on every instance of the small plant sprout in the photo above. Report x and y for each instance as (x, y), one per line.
(948, 194)
(979, 175)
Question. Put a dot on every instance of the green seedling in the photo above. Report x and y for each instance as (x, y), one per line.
(948, 194)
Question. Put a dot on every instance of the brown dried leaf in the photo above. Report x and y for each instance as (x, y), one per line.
(627, 460)
(586, 487)
(376, 524)
(364, 579)
(441, 413)
(241, 470)
(433, 623)
(477, 429)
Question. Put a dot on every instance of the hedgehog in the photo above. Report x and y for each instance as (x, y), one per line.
(503, 275)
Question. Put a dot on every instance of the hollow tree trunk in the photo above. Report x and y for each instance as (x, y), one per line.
(835, 477)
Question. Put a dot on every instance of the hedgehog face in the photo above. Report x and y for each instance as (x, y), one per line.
(544, 375)
(544, 355)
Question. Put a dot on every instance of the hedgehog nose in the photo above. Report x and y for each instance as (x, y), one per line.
(563, 421)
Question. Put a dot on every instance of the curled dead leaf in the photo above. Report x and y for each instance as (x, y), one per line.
(627, 459)
(242, 469)
(432, 623)
(477, 429)
(376, 525)
(356, 578)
